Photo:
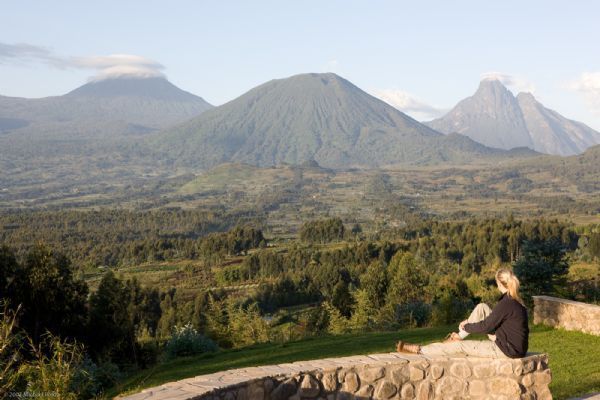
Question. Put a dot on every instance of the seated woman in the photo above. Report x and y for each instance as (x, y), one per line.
(506, 326)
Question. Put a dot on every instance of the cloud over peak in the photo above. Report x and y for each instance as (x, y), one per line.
(105, 67)
(516, 83)
(119, 65)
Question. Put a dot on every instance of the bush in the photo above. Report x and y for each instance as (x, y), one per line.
(450, 309)
(148, 352)
(91, 379)
(413, 314)
(186, 341)
(53, 367)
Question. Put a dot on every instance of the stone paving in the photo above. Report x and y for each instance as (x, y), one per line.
(378, 376)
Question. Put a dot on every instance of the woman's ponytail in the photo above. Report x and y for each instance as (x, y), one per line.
(510, 282)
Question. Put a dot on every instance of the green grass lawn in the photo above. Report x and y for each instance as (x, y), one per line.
(574, 357)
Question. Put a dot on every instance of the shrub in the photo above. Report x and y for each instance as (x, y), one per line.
(9, 350)
(450, 309)
(186, 341)
(91, 379)
(53, 368)
(413, 314)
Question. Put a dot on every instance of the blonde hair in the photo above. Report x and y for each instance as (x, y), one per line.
(510, 282)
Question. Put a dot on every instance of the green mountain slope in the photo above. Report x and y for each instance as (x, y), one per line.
(320, 117)
(107, 108)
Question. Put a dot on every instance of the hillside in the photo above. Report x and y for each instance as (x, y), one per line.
(582, 170)
(106, 108)
(320, 117)
(88, 136)
(494, 117)
(551, 132)
(569, 378)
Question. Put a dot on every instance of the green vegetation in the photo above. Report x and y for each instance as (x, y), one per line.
(542, 267)
(112, 237)
(113, 267)
(285, 197)
(322, 231)
(574, 357)
(236, 289)
(574, 360)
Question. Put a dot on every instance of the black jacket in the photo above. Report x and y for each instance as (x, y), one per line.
(509, 320)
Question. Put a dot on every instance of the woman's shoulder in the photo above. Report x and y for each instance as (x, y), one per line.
(507, 301)
(514, 304)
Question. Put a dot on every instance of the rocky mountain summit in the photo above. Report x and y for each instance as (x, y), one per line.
(493, 116)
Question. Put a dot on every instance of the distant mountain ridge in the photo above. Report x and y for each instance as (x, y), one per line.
(96, 128)
(494, 117)
(551, 132)
(320, 117)
(118, 104)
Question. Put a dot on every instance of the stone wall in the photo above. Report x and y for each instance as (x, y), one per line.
(378, 376)
(567, 314)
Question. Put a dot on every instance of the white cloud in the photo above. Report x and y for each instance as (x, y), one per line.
(408, 104)
(588, 85)
(117, 65)
(111, 66)
(516, 83)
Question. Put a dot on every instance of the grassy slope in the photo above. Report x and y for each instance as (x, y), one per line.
(574, 357)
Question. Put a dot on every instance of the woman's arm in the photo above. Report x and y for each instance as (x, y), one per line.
(489, 324)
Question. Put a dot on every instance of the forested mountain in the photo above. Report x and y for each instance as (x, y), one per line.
(107, 108)
(320, 117)
(99, 126)
(494, 117)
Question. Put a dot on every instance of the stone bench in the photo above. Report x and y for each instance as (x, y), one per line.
(377, 376)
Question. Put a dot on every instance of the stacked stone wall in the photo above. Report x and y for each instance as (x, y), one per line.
(567, 314)
(379, 376)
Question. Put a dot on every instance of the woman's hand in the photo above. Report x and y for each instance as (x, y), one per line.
(461, 326)
(492, 337)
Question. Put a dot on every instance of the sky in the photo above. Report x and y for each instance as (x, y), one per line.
(421, 56)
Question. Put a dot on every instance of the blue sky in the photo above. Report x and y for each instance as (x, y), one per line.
(424, 55)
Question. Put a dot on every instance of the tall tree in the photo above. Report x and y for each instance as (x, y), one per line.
(375, 283)
(111, 329)
(53, 300)
(541, 267)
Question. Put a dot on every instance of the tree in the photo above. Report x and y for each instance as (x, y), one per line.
(111, 329)
(407, 286)
(11, 277)
(364, 312)
(245, 325)
(338, 324)
(217, 321)
(408, 280)
(342, 299)
(322, 231)
(52, 299)
(594, 244)
(375, 283)
(542, 267)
